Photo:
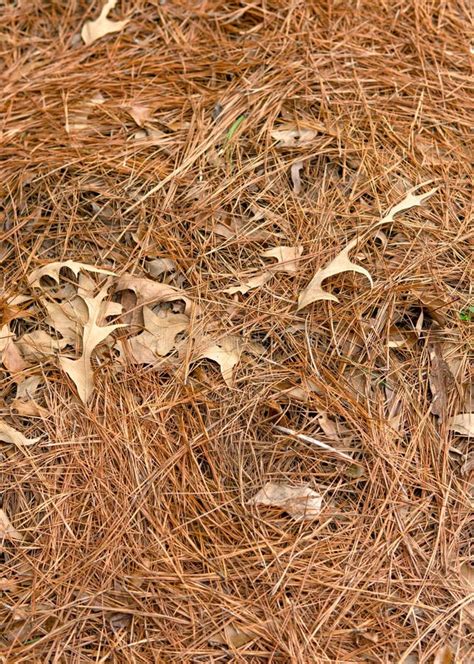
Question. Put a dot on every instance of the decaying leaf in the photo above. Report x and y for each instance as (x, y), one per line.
(80, 370)
(53, 269)
(159, 336)
(300, 502)
(293, 137)
(77, 120)
(342, 263)
(24, 403)
(463, 424)
(38, 345)
(250, 284)
(101, 26)
(410, 200)
(140, 113)
(232, 636)
(295, 176)
(10, 435)
(226, 352)
(287, 257)
(67, 318)
(7, 530)
(151, 292)
(159, 266)
(441, 381)
(11, 356)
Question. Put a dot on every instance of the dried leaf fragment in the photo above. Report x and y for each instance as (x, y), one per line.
(53, 269)
(159, 335)
(300, 502)
(293, 137)
(10, 435)
(159, 266)
(232, 636)
(287, 257)
(250, 284)
(463, 424)
(410, 200)
(151, 292)
(7, 530)
(295, 176)
(441, 381)
(38, 346)
(342, 263)
(140, 114)
(101, 26)
(11, 357)
(226, 352)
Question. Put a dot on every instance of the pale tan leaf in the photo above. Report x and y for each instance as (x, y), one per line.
(149, 136)
(342, 263)
(410, 200)
(293, 137)
(53, 269)
(151, 292)
(28, 387)
(250, 284)
(38, 345)
(226, 352)
(7, 530)
(80, 370)
(24, 403)
(10, 435)
(159, 266)
(158, 337)
(101, 26)
(232, 636)
(287, 257)
(300, 502)
(295, 176)
(11, 356)
(463, 424)
(67, 318)
(140, 113)
(77, 120)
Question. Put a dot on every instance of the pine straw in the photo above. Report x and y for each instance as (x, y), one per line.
(139, 545)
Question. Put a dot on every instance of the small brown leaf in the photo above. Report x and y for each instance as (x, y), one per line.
(226, 352)
(300, 502)
(101, 26)
(159, 266)
(463, 424)
(342, 263)
(441, 381)
(287, 257)
(140, 114)
(11, 357)
(7, 530)
(10, 435)
(38, 346)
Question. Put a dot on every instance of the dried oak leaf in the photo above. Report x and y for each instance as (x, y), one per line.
(287, 257)
(300, 502)
(463, 424)
(293, 137)
(53, 269)
(101, 26)
(10, 435)
(7, 530)
(231, 636)
(11, 358)
(152, 292)
(250, 284)
(24, 403)
(226, 352)
(410, 200)
(38, 346)
(158, 337)
(342, 263)
(80, 370)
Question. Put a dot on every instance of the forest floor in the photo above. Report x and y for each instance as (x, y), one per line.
(235, 320)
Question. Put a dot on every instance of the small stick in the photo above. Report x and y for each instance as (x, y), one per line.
(313, 441)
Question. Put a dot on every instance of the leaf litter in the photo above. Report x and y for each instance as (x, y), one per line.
(300, 502)
(102, 25)
(152, 475)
